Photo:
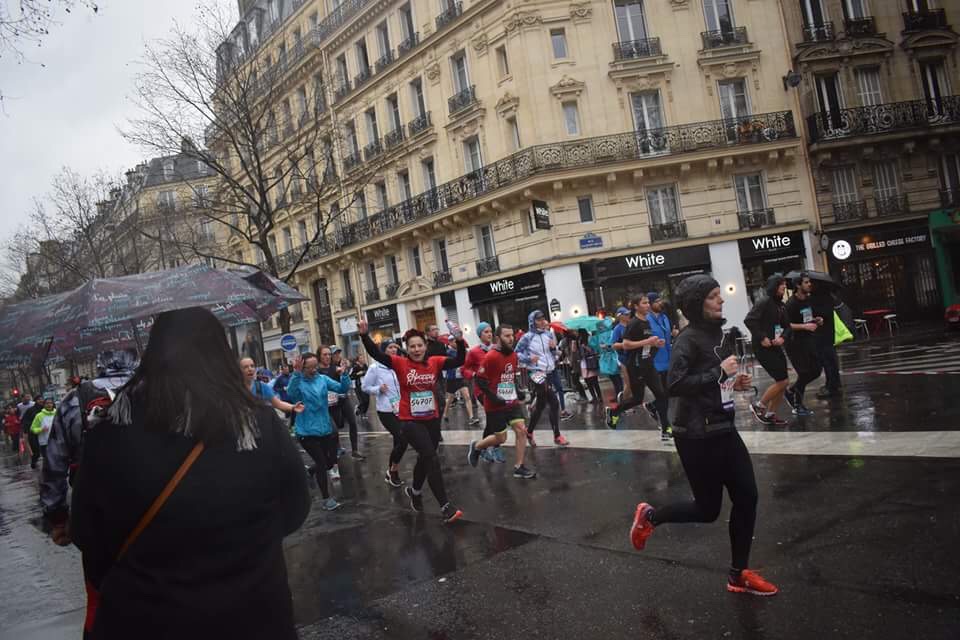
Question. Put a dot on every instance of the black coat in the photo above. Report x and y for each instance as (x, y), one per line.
(767, 313)
(211, 563)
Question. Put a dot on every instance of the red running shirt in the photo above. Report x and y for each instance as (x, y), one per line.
(417, 381)
(500, 372)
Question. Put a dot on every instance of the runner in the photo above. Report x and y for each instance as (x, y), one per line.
(381, 383)
(663, 328)
(767, 322)
(641, 345)
(537, 350)
(340, 410)
(417, 376)
(497, 380)
(314, 428)
(264, 392)
(801, 346)
(470, 367)
(589, 366)
(455, 386)
(703, 375)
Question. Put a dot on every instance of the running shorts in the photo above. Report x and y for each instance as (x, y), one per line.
(500, 421)
(773, 361)
(455, 385)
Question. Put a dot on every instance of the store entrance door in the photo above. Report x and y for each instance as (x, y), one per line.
(424, 318)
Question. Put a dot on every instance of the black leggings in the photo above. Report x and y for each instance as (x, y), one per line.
(593, 384)
(641, 376)
(575, 381)
(424, 437)
(544, 394)
(711, 464)
(391, 423)
(807, 366)
(323, 451)
(343, 412)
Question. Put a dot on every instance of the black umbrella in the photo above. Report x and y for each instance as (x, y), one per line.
(819, 278)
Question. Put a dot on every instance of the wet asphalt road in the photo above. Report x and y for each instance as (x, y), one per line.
(861, 547)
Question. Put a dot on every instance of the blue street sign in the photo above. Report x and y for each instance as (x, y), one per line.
(288, 342)
(591, 241)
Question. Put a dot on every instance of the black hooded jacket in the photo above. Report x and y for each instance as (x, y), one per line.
(767, 313)
(695, 371)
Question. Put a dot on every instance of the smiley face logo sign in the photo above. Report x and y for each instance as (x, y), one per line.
(841, 250)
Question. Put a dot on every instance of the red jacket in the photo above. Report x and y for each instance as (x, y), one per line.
(11, 424)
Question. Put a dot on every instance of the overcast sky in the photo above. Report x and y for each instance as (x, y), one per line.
(66, 112)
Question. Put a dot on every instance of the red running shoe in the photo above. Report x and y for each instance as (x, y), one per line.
(642, 527)
(561, 441)
(751, 582)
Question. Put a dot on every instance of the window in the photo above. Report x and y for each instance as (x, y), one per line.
(868, 86)
(461, 80)
(718, 15)
(813, 16)
(168, 169)
(631, 24)
(855, 9)
(302, 104)
(302, 232)
(252, 34)
(886, 182)
(287, 116)
(406, 21)
(485, 242)
(750, 195)
(440, 254)
(383, 39)
(936, 85)
(393, 110)
(406, 189)
(663, 206)
(382, 199)
(343, 73)
(514, 131)
(415, 263)
(297, 37)
(279, 189)
(372, 276)
(314, 20)
(648, 121)
(273, 10)
(571, 118)
(585, 205)
(363, 60)
(558, 40)
(353, 146)
(733, 99)
(206, 229)
(347, 283)
(201, 196)
(471, 153)
(272, 241)
(287, 239)
(950, 175)
(416, 93)
(201, 168)
(829, 100)
(393, 272)
(167, 200)
(361, 200)
(373, 131)
(503, 64)
(845, 185)
(429, 175)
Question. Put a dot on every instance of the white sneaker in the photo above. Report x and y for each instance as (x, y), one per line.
(335, 472)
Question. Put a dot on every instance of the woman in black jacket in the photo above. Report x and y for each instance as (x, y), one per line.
(769, 328)
(210, 564)
(703, 376)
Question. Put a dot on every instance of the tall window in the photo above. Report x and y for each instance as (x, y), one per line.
(750, 194)
(429, 175)
(868, 86)
(830, 100)
(471, 153)
(485, 242)
(168, 169)
(558, 40)
(302, 232)
(514, 133)
(390, 267)
(733, 99)
(343, 73)
(936, 85)
(845, 185)
(353, 145)
(382, 198)
(406, 22)
(361, 200)
(372, 276)
(347, 283)
(393, 109)
(363, 60)
(280, 190)
(383, 39)
(416, 95)
(406, 189)
(855, 9)
(201, 196)
(571, 118)
(461, 80)
(302, 104)
(813, 14)
(718, 15)
(272, 241)
(373, 131)
(631, 23)
(273, 10)
(648, 121)
(415, 264)
(585, 206)
(287, 239)
(886, 180)
(440, 247)
(503, 64)
(663, 205)
(950, 175)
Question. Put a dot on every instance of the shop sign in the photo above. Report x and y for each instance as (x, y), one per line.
(677, 260)
(511, 288)
(554, 306)
(591, 240)
(382, 316)
(541, 214)
(878, 243)
(771, 244)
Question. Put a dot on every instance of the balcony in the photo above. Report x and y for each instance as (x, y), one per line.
(372, 150)
(352, 161)
(442, 278)
(488, 265)
(365, 74)
(391, 289)
(756, 219)
(419, 124)
(634, 49)
(922, 20)
(372, 295)
(408, 44)
(893, 205)
(393, 139)
(385, 61)
(849, 211)
(339, 16)
(818, 32)
(860, 27)
(462, 100)
(664, 232)
(884, 118)
(734, 37)
(347, 302)
(950, 198)
(454, 11)
(341, 90)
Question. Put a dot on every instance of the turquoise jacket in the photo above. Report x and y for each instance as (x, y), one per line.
(312, 392)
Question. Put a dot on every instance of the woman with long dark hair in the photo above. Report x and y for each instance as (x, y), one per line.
(209, 563)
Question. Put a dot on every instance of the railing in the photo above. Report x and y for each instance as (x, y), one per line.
(633, 49)
(371, 295)
(408, 43)
(884, 118)
(818, 32)
(419, 124)
(736, 36)
(893, 205)
(336, 18)
(463, 99)
(950, 198)
(674, 230)
(394, 138)
(441, 278)
(847, 211)
(372, 150)
(756, 219)
(351, 161)
(929, 19)
(347, 302)
(391, 289)
(488, 265)
(365, 74)
(341, 90)
(385, 61)
(860, 27)
(449, 15)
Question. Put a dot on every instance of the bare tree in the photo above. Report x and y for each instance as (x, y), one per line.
(268, 142)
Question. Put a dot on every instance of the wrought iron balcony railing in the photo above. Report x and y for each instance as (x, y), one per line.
(341, 90)
(352, 161)
(462, 100)
(362, 76)
(488, 265)
(347, 302)
(860, 27)
(674, 230)
(391, 289)
(633, 49)
(451, 13)
(394, 138)
(419, 124)
(928, 19)
(892, 205)
(884, 118)
(384, 61)
(756, 219)
(372, 150)
(372, 295)
(408, 43)
(336, 18)
(736, 36)
(818, 32)
(950, 198)
(442, 278)
(847, 211)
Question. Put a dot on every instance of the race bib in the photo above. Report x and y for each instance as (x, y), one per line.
(395, 403)
(507, 391)
(422, 404)
(807, 314)
(645, 352)
(332, 398)
(538, 377)
(777, 331)
(726, 394)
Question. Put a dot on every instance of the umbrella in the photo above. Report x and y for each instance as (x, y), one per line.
(590, 323)
(558, 327)
(818, 277)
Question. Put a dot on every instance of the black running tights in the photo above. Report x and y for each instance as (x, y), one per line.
(543, 395)
(391, 423)
(343, 412)
(646, 376)
(712, 464)
(807, 366)
(323, 451)
(593, 384)
(424, 437)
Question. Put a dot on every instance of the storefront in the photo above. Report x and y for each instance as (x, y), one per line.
(945, 227)
(764, 255)
(509, 300)
(275, 353)
(609, 283)
(384, 322)
(891, 267)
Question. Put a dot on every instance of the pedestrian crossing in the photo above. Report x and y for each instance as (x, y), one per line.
(913, 359)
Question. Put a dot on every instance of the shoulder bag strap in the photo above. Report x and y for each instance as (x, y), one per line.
(161, 499)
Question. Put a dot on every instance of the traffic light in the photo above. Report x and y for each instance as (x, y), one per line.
(16, 392)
